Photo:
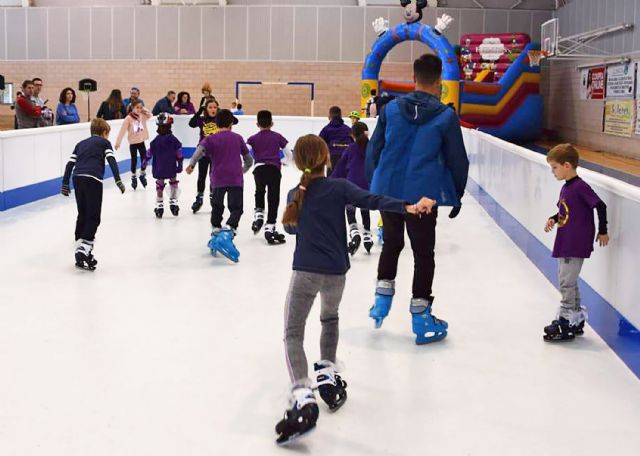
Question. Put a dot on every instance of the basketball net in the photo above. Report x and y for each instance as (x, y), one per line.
(534, 58)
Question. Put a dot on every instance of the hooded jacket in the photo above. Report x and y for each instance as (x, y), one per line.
(351, 166)
(417, 150)
(337, 136)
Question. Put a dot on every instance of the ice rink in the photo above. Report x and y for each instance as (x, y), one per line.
(167, 351)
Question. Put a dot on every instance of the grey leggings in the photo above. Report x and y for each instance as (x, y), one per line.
(568, 273)
(303, 289)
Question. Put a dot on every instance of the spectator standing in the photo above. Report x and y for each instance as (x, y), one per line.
(206, 94)
(46, 119)
(164, 104)
(28, 113)
(134, 94)
(183, 104)
(239, 111)
(67, 113)
(37, 89)
(113, 107)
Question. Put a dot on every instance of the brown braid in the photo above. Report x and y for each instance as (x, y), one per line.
(311, 155)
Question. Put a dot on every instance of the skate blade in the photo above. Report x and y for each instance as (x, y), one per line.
(555, 339)
(233, 256)
(377, 322)
(283, 442)
(85, 267)
(423, 340)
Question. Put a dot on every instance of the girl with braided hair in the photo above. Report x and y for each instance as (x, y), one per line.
(315, 214)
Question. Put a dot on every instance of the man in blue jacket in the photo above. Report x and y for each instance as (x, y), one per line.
(416, 150)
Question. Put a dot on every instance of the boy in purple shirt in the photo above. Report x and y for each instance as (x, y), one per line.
(230, 159)
(265, 148)
(574, 240)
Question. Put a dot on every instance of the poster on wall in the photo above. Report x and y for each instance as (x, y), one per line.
(621, 80)
(592, 84)
(637, 116)
(619, 117)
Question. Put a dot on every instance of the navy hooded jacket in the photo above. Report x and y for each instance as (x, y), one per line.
(337, 136)
(417, 150)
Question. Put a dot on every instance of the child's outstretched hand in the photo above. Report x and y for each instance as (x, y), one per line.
(425, 205)
(603, 240)
(549, 225)
(188, 169)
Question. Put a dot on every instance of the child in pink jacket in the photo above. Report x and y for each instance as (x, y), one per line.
(135, 125)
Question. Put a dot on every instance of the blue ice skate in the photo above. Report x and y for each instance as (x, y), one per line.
(426, 327)
(385, 289)
(222, 242)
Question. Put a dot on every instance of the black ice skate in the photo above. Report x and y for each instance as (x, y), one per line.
(197, 204)
(134, 182)
(86, 262)
(300, 418)
(272, 236)
(173, 206)
(143, 180)
(367, 241)
(258, 220)
(559, 330)
(332, 389)
(159, 210)
(354, 243)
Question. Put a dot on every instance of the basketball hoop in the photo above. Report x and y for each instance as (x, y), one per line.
(534, 57)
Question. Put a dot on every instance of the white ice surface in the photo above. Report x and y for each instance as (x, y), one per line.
(167, 351)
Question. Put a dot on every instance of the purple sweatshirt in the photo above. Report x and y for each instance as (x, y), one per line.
(206, 124)
(188, 106)
(337, 135)
(226, 150)
(166, 152)
(351, 166)
(266, 145)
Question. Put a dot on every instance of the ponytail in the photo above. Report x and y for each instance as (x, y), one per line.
(359, 131)
(311, 155)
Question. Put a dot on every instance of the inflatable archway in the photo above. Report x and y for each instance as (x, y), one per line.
(412, 32)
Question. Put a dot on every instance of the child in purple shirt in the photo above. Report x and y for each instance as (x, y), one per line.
(351, 167)
(166, 152)
(265, 149)
(574, 240)
(336, 134)
(227, 152)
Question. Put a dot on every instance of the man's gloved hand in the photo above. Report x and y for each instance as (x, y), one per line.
(380, 26)
(454, 212)
(120, 186)
(442, 23)
(65, 190)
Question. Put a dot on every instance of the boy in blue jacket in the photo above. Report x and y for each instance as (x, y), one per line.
(416, 150)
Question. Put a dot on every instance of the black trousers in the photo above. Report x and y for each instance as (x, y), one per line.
(234, 200)
(366, 217)
(88, 193)
(203, 170)
(136, 149)
(422, 234)
(268, 179)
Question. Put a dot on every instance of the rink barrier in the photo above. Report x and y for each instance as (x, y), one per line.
(516, 188)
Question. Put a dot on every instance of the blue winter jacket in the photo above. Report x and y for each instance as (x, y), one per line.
(417, 150)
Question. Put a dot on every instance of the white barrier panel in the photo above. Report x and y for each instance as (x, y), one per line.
(36, 155)
(522, 183)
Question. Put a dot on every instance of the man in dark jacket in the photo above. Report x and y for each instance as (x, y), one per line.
(337, 135)
(165, 104)
(416, 149)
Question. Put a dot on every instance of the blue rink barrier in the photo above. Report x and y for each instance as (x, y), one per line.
(34, 192)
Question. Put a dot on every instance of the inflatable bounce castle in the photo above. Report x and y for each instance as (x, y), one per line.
(493, 81)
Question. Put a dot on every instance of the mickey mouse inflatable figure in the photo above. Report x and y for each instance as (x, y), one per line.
(412, 14)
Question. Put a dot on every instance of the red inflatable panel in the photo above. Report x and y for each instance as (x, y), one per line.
(495, 51)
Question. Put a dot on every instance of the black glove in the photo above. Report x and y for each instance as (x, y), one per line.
(120, 186)
(65, 190)
(454, 212)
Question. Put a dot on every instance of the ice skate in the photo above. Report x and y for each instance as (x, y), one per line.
(272, 236)
(559, 330)
(300, 418)
(84, 257)
(385, 289)
(426, 326)
(173, 206)
(197, 204)
(258, 220)
(159, 210)
(354, 243)
(367, 241)
(578, 320)
(143, 179)
(332, 389)
(134, 182)
(222, 242)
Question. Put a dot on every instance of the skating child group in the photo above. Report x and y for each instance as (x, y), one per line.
(414, 165)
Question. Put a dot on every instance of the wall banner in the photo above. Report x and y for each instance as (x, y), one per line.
(592, 83)
(621, 80)
(619, 117)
